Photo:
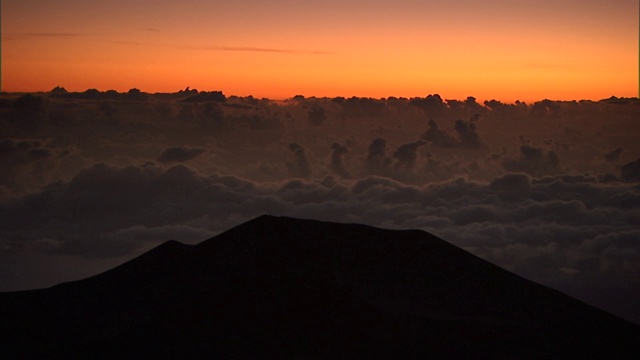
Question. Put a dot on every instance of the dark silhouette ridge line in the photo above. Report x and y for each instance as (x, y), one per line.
(278, 287)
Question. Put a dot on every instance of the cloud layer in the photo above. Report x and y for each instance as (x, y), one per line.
(552, 197)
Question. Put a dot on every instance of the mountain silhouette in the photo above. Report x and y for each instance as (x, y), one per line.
(283, 288)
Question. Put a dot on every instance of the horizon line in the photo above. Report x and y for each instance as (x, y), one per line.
(444, 99)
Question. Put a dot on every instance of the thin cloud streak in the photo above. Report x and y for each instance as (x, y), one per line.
(259, 49)
(42, 35)
(54, 34)
(230, 48)
(134, 43)
(210, 48)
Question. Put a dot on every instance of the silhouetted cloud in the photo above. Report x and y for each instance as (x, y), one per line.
(377, 160)
(534, 161)
(359, 107)
(545, 108)
(25, 163)
(432, 104)
(466, 132)
(468, 135)
(515, 186)
(437, 136)
(338, 151)
(317, 116)
(204, 96)
(406, 155)
(28, 113)
(613, 155)
(300, 167)
(631, 171)
(180, 154)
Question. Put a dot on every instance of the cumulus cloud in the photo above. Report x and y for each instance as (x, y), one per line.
(180, 154)
(88, 214)
(27, 163)
(631, 171)
(337, 154)
(317, 116)
(536, 227)
(534, 161)
(438, 136)
(512, 186)
(545, 108)
(109, 210)
(407, 154)
(23, 150)
(466, 131)
(377, 160)
(467, 134)
(432, 104)
(300, 167)
(613, 155)
(357, 107)
(96, 181)
(28, 113)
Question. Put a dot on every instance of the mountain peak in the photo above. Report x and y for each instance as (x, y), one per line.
(280, 287)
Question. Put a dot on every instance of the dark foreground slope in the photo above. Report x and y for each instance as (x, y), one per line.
(281, 288)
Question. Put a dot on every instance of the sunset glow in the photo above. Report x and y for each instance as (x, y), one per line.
(508, 50)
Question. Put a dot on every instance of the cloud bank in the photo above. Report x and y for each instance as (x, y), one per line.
(550, 195)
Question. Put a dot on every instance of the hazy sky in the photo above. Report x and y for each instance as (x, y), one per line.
(508, 50)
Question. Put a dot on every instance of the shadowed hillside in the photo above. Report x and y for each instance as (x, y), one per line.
(278, 287)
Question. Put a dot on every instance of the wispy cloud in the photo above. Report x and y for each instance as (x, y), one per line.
(230, 48)
(135, 43)
(51, 34)
(261, 49)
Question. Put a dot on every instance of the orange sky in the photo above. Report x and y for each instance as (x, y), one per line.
(507, 50)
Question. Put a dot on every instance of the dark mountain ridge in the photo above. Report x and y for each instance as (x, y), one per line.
(278, 287)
